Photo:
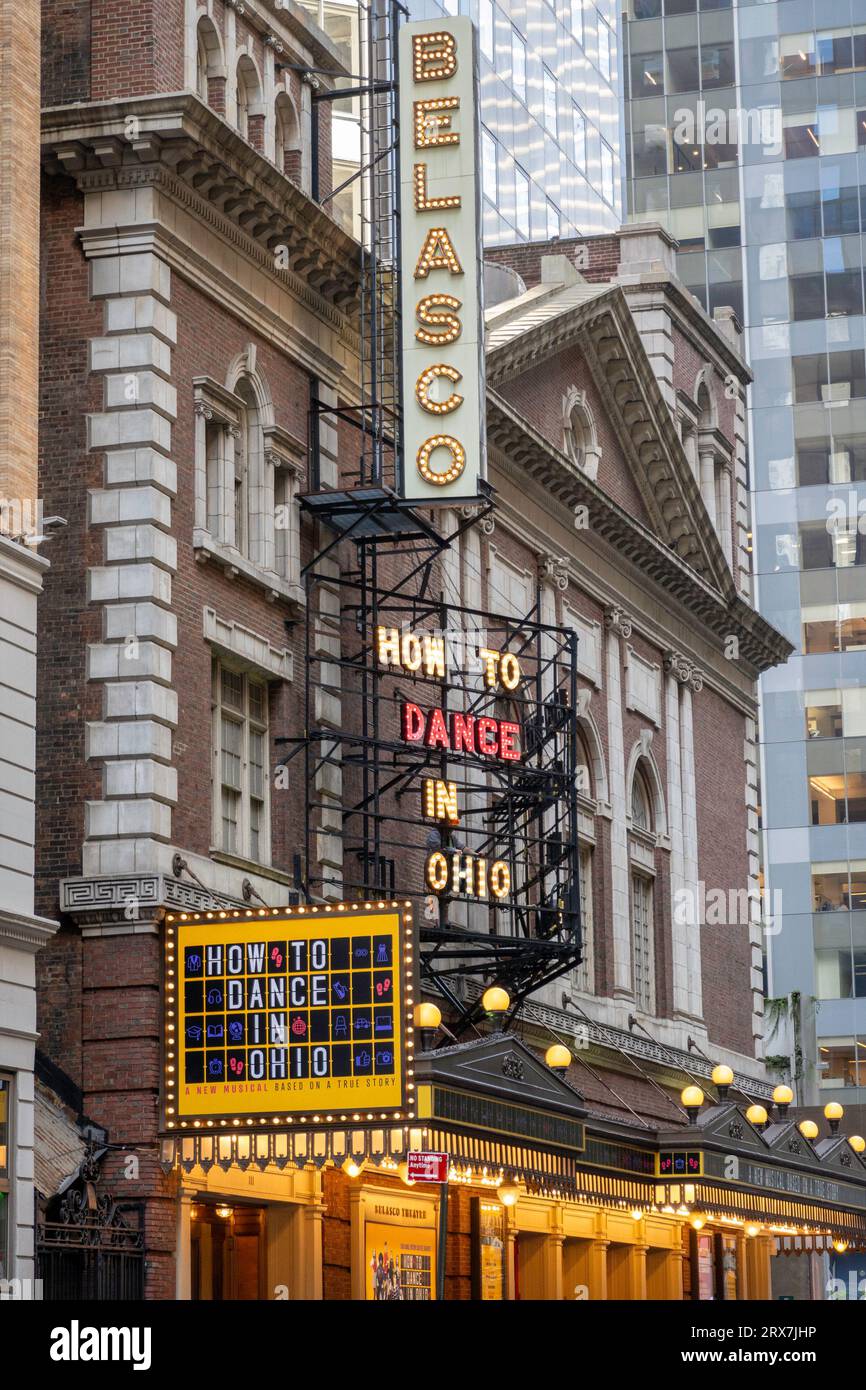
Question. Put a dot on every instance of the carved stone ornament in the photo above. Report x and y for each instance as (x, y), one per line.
(735, 1130)
(684, 670)
(512, 1067)
(554, 569)
(618, 621)
(487, 523)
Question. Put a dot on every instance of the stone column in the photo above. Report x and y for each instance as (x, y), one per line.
(674, 1271)
(618, 626)
(597, 1263)
(708, 482)
(185, 1200)
(637, 1272)
(308, 1271)
(725, 519)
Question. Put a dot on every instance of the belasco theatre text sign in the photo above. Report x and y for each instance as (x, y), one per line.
(292, 1013)
(441, 289)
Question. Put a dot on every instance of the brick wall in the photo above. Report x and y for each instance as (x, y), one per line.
(596, 258)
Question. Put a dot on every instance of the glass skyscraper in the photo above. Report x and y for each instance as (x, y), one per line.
(550, 113)
(745, 135)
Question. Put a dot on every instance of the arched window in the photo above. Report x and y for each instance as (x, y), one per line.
(579, 431)
(248, 101)
(584, 766)
(287, 148)
(641, 802)
(249, 463)
(208, 61)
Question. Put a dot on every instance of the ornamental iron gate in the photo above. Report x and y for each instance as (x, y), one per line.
(88, 1246)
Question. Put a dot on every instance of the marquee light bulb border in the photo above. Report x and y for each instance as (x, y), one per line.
(307, 1116)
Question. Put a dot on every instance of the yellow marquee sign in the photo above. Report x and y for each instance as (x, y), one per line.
(283, 1014)
(442, 309)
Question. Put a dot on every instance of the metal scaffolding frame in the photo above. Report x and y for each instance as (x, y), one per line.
(522, 812)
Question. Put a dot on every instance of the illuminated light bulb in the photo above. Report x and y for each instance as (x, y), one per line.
(833, 1113)
(808, 1129)
(840, 1246)
(636, 1214)
(698, 1222)
(508, 1194)
(757, 1116)
(495, 1000)
(692, 1098)
(782, 1097)
(857, 1142)
(558, 1058)
(722, 1078)
(752, 1231)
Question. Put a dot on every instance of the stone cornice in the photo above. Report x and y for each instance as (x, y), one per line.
(25, 933)
(21, 565)
(603, 329)
(536, 459)
(124, 144)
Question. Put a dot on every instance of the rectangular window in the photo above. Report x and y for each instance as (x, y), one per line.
(584, 975)
(485, 25)
(642, 943)
(577, 20)
(607, 173)
(605, 46)
(521, 201)
(518, 64)
(549, 91)
(488, 166)
(834, 627)
(241, 754)
(579, 129)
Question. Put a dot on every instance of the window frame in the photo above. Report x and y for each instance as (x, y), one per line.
(644, 986)
(549, 104)
(518, 44)
(250, 724)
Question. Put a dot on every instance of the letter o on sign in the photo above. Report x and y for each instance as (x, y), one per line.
(458, 459)
(437, 872)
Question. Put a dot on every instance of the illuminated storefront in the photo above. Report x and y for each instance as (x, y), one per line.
(545, 1199)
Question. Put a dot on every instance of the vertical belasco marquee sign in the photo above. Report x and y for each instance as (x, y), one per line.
(441, 292)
